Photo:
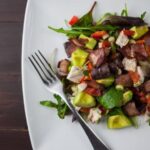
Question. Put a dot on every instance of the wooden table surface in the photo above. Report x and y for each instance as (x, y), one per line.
(13, 128)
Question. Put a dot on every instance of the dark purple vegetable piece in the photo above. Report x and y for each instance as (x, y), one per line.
(113, 68)
(69, 48)
(123, 21)
(124, 80)
(147, 86)
(63, 67)
(101, 72)
(130, 109)
(117, 60)
(97, 57)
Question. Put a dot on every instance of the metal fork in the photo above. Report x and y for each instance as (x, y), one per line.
(54, 85)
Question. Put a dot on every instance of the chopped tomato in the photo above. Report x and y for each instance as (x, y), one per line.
(73, 20)
(82, 79)
(98, 34)
(92, 91)
(148, 99)
(140, 41)
(90, 67)
(106, 44)
(128, 32)
(134, 76)
(85, 110)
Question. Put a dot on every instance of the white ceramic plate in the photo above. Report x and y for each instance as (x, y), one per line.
(47, 131)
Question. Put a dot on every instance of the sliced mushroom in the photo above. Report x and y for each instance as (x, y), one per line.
(63, 67)
(130, 109)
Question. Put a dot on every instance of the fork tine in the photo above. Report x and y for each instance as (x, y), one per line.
(37, 71)
(42, 69)
(46, 61)
(45, 67)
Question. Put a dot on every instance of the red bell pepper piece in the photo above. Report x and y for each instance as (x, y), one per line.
(134, 76)
(73, 20)
(98, 34)
(106, 44)
(128, 32)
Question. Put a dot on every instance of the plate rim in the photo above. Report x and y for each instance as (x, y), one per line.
(24, 34)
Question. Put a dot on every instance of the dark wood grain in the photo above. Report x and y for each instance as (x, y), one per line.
(13, 128)
(12, 10)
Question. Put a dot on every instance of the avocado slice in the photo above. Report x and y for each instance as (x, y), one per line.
(118, 121)
(139, 31)
(127, 96)
(112, 98)
(78, 57)
(91, 42)
(106, 82)
(84, 100)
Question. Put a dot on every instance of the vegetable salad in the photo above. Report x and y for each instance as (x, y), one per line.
(107, 72)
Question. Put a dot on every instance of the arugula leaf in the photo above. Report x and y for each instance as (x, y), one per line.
(70, 33)
(97, 27)
(62, 108)
(86, 72)
(125, 11)
(76, 31)
(58, 98)
(143, 15)
(87, 19)
(49, 104)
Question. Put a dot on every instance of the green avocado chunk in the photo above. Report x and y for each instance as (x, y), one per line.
(91, 42)
(112, 98)
(127, 96)
(117, 119)
(79, 57)
(106, 82)
(139, 31)
(84, 100)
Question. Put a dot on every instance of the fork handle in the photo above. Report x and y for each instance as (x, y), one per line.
(95, 141)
